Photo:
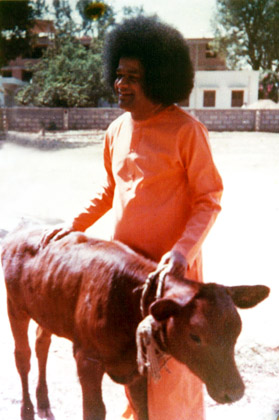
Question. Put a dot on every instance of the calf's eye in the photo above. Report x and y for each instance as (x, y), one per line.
(195, 338)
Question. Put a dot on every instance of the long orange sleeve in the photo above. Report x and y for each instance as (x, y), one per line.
(205, 186)
(102, 202)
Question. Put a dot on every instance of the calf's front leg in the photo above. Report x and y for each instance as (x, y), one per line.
(136, 392)
(43, 340)
(19, 324)
(90, 374)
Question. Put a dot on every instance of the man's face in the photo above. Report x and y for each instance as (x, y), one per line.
(128, 86)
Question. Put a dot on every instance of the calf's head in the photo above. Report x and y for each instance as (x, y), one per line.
(201, 326)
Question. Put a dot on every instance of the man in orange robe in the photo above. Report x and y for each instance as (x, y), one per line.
(161, 184)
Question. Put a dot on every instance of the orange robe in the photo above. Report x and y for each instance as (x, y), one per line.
(165, 191)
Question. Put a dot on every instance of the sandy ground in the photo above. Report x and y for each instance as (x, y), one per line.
(242, 248)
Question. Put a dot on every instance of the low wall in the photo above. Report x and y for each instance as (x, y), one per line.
(227, 120)
(269, 120)
(25, 119)
(35, 119)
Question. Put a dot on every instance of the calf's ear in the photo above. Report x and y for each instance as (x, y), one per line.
(162, 309)
(248, 296)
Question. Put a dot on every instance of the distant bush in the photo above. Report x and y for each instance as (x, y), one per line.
(68, 75)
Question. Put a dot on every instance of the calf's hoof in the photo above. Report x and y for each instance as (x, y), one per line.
(45, 413)
(27, 412)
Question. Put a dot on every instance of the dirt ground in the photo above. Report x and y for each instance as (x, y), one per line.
(242, 248)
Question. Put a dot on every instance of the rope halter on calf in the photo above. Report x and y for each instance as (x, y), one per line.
(150, 357)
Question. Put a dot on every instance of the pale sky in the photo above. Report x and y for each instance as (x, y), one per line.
(191, 17)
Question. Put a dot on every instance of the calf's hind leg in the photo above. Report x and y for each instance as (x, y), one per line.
(43, 340)
(19, 324)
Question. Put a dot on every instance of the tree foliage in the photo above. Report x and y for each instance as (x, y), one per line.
(95, 27)
(269, 86)
(40, 8)
(133, 11)
(16, 20)
(68, 75)
(247, 31)
(62, 14)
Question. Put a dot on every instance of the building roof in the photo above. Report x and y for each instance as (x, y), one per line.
(43, 26)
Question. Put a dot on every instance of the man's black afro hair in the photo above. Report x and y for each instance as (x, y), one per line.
(163, 53)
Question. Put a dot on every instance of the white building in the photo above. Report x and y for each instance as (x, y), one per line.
(224, 89)
(215, 85)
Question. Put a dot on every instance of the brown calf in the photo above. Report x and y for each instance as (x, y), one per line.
(89, 290)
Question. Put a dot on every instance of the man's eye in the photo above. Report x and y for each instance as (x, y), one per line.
(195, 338)
(128, 79)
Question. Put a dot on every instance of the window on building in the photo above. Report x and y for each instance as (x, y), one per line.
(37, 52)
(26, 76)
(237, 98)
(6, 73)
(209, 52)
(209, 98)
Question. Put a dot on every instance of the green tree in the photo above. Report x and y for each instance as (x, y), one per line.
(269, 86)
(67, 76)
(70, 75)
(16, 21)
(96, 27)
(247, 32)
(63, 18)
(40, 8)
(133, 11)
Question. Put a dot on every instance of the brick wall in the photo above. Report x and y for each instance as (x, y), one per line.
(27, 119)
(34, 119)
(269, 120)
(1, 120)
(227, 119)
(87, 118)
